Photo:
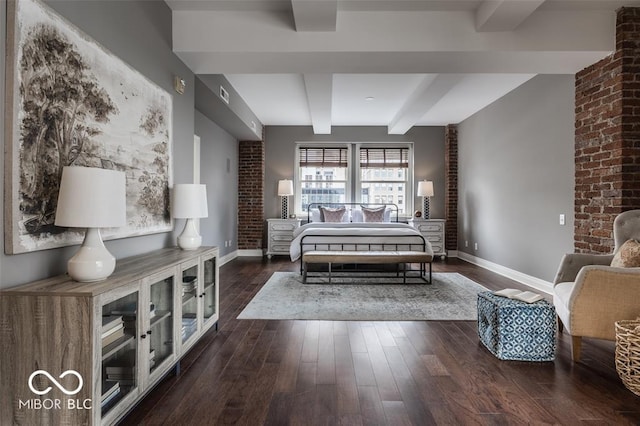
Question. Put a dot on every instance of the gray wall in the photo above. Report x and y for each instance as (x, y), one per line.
(219, 170)
(516, 176)
(280, 142)
(139, 33)
(235, 117)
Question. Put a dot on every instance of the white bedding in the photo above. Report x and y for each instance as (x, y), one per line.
(353, 236)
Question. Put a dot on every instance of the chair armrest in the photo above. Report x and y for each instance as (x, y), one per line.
(601, 296)
(571, 264)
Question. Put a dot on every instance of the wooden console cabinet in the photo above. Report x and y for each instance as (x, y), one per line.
(118, 336)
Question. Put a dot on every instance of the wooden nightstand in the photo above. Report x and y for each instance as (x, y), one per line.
(433, 231)
(280, 235)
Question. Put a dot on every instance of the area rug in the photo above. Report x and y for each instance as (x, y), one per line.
(450, 297)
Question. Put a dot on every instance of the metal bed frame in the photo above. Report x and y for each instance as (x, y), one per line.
(340, 246)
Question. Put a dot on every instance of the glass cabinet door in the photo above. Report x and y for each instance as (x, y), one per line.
(119, 350)
(160, 331)
(210, 290)
(189, 301)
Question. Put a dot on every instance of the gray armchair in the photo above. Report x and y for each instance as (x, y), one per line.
(590, 296)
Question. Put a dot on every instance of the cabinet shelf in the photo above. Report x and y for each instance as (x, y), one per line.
(160, 315)
(188, 296)
(114, 347)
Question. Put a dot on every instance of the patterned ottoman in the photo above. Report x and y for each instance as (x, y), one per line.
(517, 330)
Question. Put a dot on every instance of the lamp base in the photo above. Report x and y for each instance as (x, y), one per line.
(284, 214)
(92, 262)
(189, 239)
(425, 207)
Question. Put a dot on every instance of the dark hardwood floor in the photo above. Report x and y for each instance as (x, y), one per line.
(376, 373)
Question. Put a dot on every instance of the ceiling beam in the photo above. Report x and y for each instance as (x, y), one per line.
(319, 89)
(549, 42)
(504, 15)
(426, 95)
(315, 15)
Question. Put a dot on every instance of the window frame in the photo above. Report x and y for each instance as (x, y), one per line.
(298, 178)
(409, 179)
(353, 184)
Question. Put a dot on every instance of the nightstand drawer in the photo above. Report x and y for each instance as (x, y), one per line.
(430, 227)
(279, 248)
(282, 226)
(433, 238)
(437, 249)
(280, 236)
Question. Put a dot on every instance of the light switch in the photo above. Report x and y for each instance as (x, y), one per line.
(562, 220)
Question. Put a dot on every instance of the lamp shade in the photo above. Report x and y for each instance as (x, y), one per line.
(425, 188)
(90, 197)
(189, 201)
(285, 187)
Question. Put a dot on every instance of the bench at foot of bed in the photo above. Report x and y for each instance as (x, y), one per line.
(368, 257)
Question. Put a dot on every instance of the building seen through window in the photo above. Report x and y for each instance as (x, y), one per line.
(383, 176)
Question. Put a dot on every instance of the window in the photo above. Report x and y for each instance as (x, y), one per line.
(329, 167)
(384, 175)
(380, 174)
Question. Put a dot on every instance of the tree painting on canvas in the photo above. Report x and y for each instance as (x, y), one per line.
(72, 103)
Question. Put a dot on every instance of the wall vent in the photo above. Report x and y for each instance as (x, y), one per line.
(224, 94)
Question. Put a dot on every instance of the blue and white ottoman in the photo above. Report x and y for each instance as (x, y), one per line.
(516, 330)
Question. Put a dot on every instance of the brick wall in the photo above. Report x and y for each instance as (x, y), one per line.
(607, 138)
(451, 186)
(250, 194)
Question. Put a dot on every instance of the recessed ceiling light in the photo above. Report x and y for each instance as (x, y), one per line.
(369, 98)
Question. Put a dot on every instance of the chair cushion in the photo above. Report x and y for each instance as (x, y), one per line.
(628, 256)
(561, 295)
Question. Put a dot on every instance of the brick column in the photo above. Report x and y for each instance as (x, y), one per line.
(250, 195)
(451, 186)
(607, 138)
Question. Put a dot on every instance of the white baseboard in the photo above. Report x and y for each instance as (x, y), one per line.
(228, 257)
(525, 279)
(246, 253)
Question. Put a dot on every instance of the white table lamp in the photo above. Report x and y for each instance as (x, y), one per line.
(285, 188)
(91, 198)
(425, 190)
(189, 202)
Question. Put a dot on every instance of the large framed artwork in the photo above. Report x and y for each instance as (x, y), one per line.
(70, 102)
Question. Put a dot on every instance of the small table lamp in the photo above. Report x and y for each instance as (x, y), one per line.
(425, 190)
(189, 202)
(91, 198)
(285, 188)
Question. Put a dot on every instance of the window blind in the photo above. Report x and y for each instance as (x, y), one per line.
(323, 157)
(382, 158)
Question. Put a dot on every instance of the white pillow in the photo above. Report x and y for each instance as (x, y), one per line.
(315, 215)
(387, 215)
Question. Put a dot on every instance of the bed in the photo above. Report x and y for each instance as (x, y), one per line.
(347, 237)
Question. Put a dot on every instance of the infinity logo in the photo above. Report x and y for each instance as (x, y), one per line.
(55, 382)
